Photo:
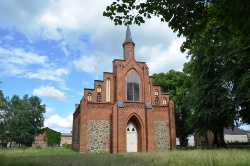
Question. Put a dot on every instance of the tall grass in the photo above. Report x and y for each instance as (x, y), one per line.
(66, 157)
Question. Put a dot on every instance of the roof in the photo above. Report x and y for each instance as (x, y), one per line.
(235, 131)
(128, 38)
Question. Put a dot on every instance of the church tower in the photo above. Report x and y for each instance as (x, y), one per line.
(128, 46)
(124, 112)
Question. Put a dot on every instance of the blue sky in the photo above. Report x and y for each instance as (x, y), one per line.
(54, 49)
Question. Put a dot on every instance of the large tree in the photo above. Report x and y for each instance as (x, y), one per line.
(177, 84)
(24, 119)
(3, 111)
(219, 92)
(217, 41)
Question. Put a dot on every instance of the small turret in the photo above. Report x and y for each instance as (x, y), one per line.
(128, 46)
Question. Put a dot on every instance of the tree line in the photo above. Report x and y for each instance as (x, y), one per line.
(216, 94)
(20, 118)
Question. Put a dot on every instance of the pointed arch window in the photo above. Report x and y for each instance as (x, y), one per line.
(133, 86)
(99, 97)
(156, 101)
(89, 97)
(164, 101)
(99, 89)
(108, 90)
(156, 92)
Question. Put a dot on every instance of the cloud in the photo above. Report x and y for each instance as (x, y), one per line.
(8, 38)
(84, 82)
(16, 61)
(49, 110)
(245, 127)
(64, 48)
(163, 59)
(28, 15)
(48, 74)
(74, 36)
(85, 63)
(49, 91)
(59, 123)
(95, 36)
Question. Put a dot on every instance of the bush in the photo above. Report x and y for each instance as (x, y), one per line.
(24, 147)
(68, 146)
(39, 147)
(238, 143)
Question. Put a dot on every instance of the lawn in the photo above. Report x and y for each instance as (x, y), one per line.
(66, 157)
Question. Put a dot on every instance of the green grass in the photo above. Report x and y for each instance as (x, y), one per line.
(65, 157)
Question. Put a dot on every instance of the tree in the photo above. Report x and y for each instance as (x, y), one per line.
(187, 18)
(3, 111)
(177, 85)
(216, 79)
(24, 119)
(217, 40)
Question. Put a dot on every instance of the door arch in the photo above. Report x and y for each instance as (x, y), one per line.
(131, 135)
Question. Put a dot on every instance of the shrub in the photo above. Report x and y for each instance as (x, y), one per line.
(238, 143)
(24, 147)
(68, 146)
(39, 147)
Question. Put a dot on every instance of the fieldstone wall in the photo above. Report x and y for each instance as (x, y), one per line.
(76, 137)
(98, 136)
(161, 136)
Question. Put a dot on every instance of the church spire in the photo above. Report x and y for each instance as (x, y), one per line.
(128, 46)
(128, 38)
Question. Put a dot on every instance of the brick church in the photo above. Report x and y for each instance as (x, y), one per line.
(124, 112)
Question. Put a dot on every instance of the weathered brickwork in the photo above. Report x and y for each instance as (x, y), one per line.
(161, 136)
(98, 136)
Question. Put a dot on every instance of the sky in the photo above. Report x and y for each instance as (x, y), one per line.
(54, 49)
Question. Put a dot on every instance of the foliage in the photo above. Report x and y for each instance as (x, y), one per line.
(1, 98)
(188, 18)
(39, 147)
(52, 137)
(23, 118)
(177, 85)
(3, 112)
(216, 72)
(23, 147)
(238, 143)
(68, 146)
(217, 41)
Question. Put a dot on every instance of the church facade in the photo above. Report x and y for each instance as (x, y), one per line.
(124, 112)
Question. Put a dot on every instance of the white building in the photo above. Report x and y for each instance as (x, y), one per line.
(235, 135)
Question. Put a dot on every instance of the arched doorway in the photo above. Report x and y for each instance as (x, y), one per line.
(131, 137)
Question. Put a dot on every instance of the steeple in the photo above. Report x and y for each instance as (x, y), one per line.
(128, 38)
(128, 46)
